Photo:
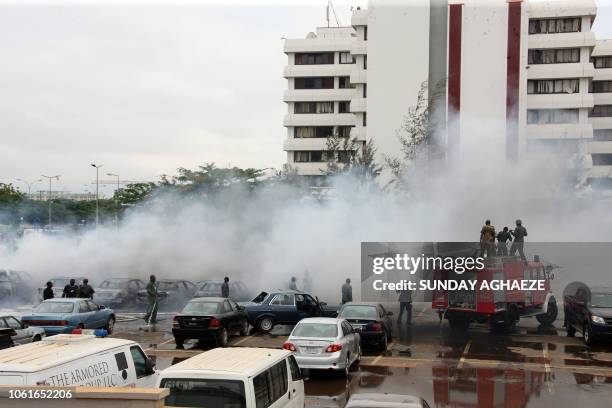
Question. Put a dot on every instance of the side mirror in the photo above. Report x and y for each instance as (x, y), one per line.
(149, 366)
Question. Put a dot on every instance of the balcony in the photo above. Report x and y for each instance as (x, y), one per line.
(552, 71)
(602, 98)
(600, 172)
(560, 101)
(600, 147)
(359, 105)
(601, 122)
(603, 74)
(359, 47)
(294, 144)
(309, 169)
(359, 133)
(322, 70)
(359, 76)
(321, 44)
(359, 17)
(319, 119)
(318, 95)
(561, 40)
(560, 131)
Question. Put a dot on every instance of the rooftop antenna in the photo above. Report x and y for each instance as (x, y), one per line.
(330, 6)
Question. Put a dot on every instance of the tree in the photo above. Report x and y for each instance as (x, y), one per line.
(348, 156)
(210, 179)
(10, 199)
(134, 193)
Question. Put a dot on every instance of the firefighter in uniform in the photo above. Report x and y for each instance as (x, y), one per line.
(153, 298)
(503, 237)
(48, 292)
(487, 239)
(519, 233)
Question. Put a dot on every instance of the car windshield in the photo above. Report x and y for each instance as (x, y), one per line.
(55, 307)
(204, 393)
(260, 298)
(358, 311)
(319, 330)
(201, 308)
(601, 300)
(112, 284)
(211, 287)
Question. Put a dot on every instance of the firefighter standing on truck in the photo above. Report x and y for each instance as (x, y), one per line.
(519, 233)
(487, 239)
(502, 238)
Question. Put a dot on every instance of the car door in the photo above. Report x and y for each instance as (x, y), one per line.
(22, 335)
(139, 360)
(230, 316)
(239, 315)
(98, 316)
(385, 319)
(284, 309)
(296, 384)
(581, 309)
(349, 338)
(85, 315)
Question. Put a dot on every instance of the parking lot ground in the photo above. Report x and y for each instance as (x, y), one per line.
(532, 366)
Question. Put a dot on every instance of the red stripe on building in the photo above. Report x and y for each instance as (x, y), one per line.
(512, 77)
(454, 74)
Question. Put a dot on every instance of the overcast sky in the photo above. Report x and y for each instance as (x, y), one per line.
(144, 89)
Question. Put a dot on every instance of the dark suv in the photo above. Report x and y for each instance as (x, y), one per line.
(588, 310)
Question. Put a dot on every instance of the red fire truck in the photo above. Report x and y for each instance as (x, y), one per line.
(502, 309)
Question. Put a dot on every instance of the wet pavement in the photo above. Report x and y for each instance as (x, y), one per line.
(530, 367)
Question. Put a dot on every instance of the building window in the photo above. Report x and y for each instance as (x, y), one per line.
(365, 62)
(551, 116)
(602, 159)
(344, 107)
(317, 58)
(365, 33)
(554, 56)
(602, 135)
(602, 62)
(365, 119)
(313, 107)
(553, 86)
(365, 90)
(601, 86)
(308, 157)
(346, 58)
(344, 131)
(555, 25)
(601, 111)
(314, 83)
(345, 82)
(304, 132)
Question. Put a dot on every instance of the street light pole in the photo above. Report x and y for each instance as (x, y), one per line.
(116, 198)
(50, 191)
(97, 166)
(29, 184)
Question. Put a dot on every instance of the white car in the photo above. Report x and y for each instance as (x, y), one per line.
(369, 400)
(23, 333)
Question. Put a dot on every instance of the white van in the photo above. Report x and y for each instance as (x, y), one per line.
(239, 377)
(67, 360)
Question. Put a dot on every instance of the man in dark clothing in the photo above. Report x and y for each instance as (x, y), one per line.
(405, 301)
(487, 240)
(503, 237)
(347, 291)
(85, 290)
(48, 292)
(153, 298)
(225, 288)
(519, 233)
(70, 290)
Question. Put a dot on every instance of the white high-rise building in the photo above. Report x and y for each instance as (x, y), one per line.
(521, 75)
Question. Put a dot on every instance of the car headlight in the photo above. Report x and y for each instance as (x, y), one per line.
(598, 319)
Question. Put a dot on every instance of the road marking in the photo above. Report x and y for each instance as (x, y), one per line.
(377, 359)
(465, 352)
(239, 342)
(166, 342)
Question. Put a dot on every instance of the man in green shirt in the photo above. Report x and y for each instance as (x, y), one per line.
(153, 297)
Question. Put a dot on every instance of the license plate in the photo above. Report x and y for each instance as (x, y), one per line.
(311, 350)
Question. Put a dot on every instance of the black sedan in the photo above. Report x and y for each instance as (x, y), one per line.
(209, 318)
(588, 310)
(6, 338)
(371, 320)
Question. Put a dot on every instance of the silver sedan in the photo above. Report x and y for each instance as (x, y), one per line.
(324, 343)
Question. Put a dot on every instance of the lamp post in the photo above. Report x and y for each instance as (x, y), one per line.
(97, 166)
(29, 184)
(49, 196)
(116, 198)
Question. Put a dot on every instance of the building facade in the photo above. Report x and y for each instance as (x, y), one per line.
(521, 76)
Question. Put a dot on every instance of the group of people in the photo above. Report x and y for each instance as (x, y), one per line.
(71, 290)
(515, 236)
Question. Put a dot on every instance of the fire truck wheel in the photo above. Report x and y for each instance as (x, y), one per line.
(459, 325)
(548, 318)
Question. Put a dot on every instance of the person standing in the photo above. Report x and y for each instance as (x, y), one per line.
(487, 239)
(503, 237)
(70, 290)
(405, 301)
(85, 290)
(293, 283)
(153, 298)
(519, 233)
(347, 291)
(225, 288)
(48, 292)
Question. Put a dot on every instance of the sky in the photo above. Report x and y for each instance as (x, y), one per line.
(143, 88)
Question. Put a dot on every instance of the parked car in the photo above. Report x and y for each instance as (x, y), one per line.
(58, 286)
(23, 332)
(175, 292)
(284, 307)
(64, 315)
(237, 290)
(115, 292)
(324, 343)
(6, 338)
(16, 286)
(368, 400)
(209, 318)
(588, 310)
(371, 320)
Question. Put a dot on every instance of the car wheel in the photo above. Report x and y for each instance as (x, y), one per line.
(37, 338)
(384, 342)
(223, 337)
(265, 324)
(358, 360)
(571, 330)
(244, 328)
(347, 365)
(179, 342)
(110, 325)
(588, 335)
